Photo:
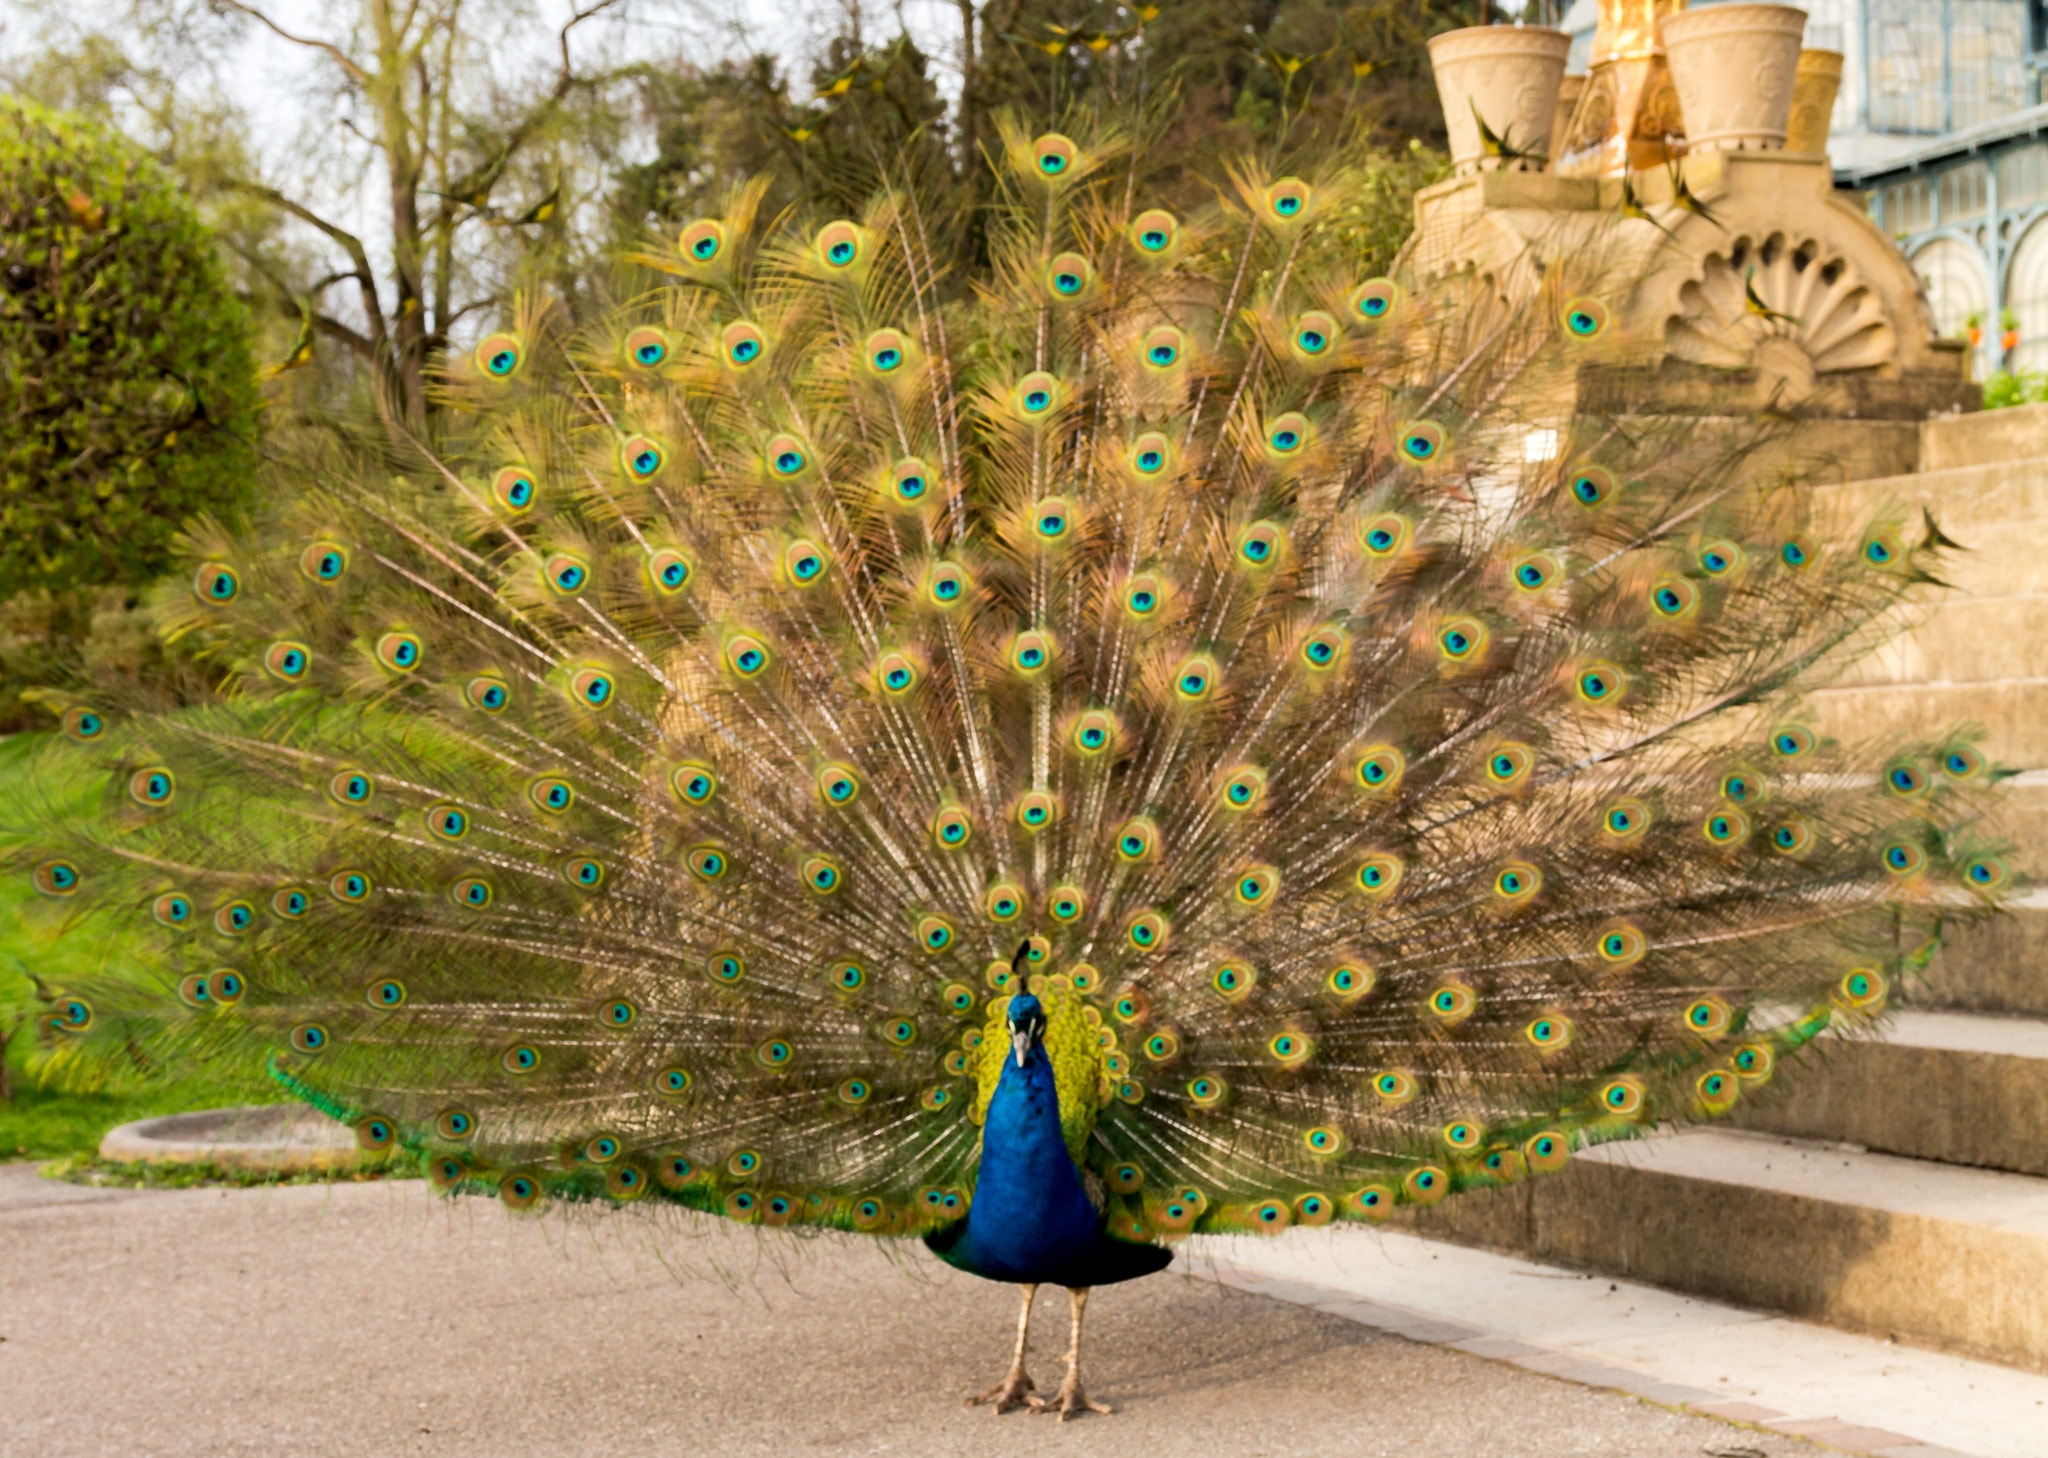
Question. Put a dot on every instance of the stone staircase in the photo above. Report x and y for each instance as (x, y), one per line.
(1902, 1188)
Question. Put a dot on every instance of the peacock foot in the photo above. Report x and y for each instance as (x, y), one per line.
(1069, 1400)
(1014, 1391)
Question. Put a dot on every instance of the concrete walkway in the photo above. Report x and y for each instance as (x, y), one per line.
(380, 1320)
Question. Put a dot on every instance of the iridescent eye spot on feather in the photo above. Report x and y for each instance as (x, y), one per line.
(707, 862)
(902, 1032)
(471, 893)
(1462, 640)
(1592, 485)
(1986, 873)
(1147, 931)
(1314, 334)
(1255, 886)
(216, 584)
(1054, 156)
(1586, 318)
(646, 347)
(57, 878)
(952, 827)
(1094, 732)
(1717, 1090)
(821, 875)
(1150, 454)
(746, 655)
(910, 482)
(1622, 1098)
(1739, 787)
(1420, 441)
(946, 585)
(1030, 653)
(1509, 765)
(642, 457)
(1288, 434)
(839, 244)
(805, 562)
(693, 783)
(1394, 1088)
(1462, 1136)
(618, 1014)
(1207, 1091)
(1674, 598)
(897, 673)
(1375, 299)
(1534, 571)
(1505, 1165)
(847, 975)
(323, 561)
(1287, 199)
(83, 725)
(853, 1092)
(1035, 810)
(1069, 275)
(1195, 680)
(519, 1191)
(1037, 394)
(1155, 231)
(1065, 904)
(1726, 828)
(1621, 946)
(1378, 874)
(154, 787)
(1517, 882)
(1550, 1033)
(1003, 902)
(308, 1038)
(1385, 534)
(287, 661)
(1162, 347)
(886, 351)
(1547, 1152)
(1902, 859)
(703, 241)
(934, 933)
(500, 355)
(959, 999)
(582, 873)
(1379, 769)
(486, 693)
(742, 344)
(1708, 1017)
(934, 1099)
(226, 987)
(592, 688)
(726, 968)
(1792, 741)
(375, 1134)
(351, 787)
(668, 571)
(1162, 1047)
(565, 573)
(1905, 780)
(1143, 596)
(1290, 1049)
(1863, 989)
(838, 784)
(386, 994)
(1600, 684)
(1961, 762)
(1244, 788)
(1370, 1202)
(1052, 519)
(232, 918)
(1882, 549)
(172, 909)
(672, 1082)
(1137, 840)
(786, 456)
(1452, 1003)
(1625, 820)
(1720, 557)
(290, 902)
(1260, 544)
(399, 651)
(1793, 838)
(1131, 1006)
(1324, 648)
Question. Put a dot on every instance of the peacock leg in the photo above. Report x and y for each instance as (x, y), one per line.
(1015, 1389)
(1070, 1398)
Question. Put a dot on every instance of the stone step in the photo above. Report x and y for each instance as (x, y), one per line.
(2013, 713)
(1997, 966)
(2017, 434)
(1962, 1088)
(1965, 640)
(1970, 502)
(1908, 1248)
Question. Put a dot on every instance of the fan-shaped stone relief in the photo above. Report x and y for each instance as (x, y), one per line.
(1785, 308)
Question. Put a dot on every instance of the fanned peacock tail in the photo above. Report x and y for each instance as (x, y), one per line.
(1393, 765)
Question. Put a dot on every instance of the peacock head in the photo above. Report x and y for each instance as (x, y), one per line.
(1027, 1025)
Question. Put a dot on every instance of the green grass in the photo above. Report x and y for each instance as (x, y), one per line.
(53, 1123)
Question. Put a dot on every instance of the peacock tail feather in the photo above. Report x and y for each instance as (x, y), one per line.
(1392, 759)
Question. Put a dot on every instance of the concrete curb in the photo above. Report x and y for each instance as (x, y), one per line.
(274, 1138)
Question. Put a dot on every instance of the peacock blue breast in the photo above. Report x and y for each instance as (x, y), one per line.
(1031, 1220)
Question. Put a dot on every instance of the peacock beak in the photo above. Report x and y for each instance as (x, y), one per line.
(1020, 1043)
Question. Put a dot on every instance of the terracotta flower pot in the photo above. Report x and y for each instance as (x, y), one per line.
(1508, 74)
(1734, 66)
(1814, 86)
(2010, 340)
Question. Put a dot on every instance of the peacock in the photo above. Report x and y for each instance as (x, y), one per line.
(1120, 731)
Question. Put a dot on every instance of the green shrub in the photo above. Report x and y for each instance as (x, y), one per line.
(2024, 387)
(127, 387)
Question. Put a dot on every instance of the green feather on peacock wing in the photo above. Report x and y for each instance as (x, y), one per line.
(1395, 767)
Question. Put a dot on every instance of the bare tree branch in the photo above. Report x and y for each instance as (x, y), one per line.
(340, 57)
(365, 277)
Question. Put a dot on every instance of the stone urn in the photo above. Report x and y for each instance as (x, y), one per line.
(1568, 92)
(1734, 66)
(1506, 74)
(1814, 86)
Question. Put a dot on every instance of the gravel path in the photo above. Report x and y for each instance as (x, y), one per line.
(380, 1320)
